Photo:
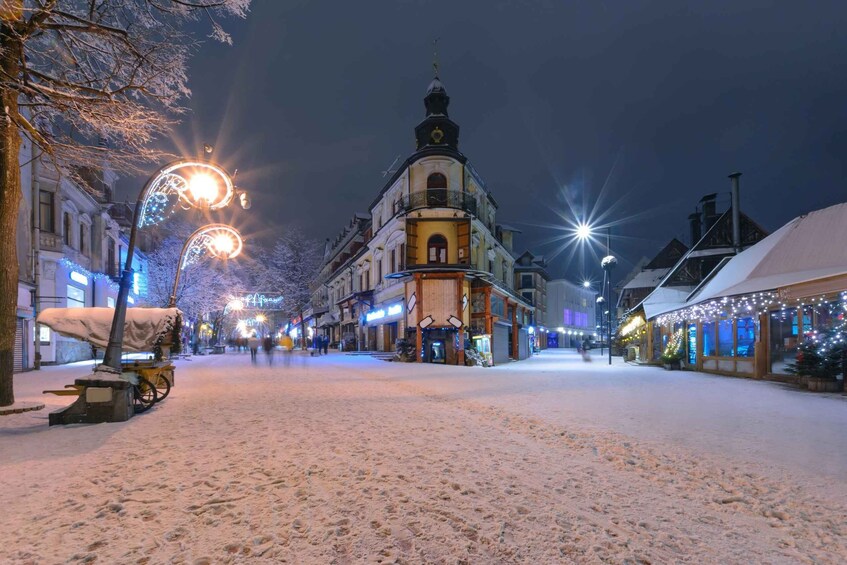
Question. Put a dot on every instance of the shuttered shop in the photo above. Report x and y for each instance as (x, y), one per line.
(19, 346)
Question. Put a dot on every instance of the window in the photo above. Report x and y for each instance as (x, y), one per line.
(709, 339)
(67, 228)
(725, 340)
(402, 256)
(393, 261)
(76, 297)
(567, 318)
(527, 295)
(504, 269)
(367, 280)
(436, 190)
(379, 271)
(745, 335)
(45, 211)
(437, 249)
(526, 281)
(82, 239)
(111, 267)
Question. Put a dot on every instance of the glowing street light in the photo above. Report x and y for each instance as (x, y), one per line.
(220, 241)
(195, 183)
(261, 318)
(584, 232)
(586, 284)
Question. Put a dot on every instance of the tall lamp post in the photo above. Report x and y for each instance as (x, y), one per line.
(194, 183)
(584, 232)
(218, 240)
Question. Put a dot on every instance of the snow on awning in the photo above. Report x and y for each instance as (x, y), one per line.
(142, 326)
(663, 300)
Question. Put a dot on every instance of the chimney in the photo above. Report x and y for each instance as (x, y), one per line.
(695, 222)
(709, 211)
(736, 212)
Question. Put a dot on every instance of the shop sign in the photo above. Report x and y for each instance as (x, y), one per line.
(79, 278)
(392, 310)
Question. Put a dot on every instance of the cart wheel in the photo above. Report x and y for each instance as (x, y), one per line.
(163, 386)
(145, 395)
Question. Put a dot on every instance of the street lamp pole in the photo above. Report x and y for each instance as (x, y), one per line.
(608, 263)
(166, 181)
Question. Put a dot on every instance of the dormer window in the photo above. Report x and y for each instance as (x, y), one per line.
(437, 249)
(436, 190)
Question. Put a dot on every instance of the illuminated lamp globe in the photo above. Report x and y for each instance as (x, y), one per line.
(223, 244)
(586, 284)
(583, 231)
(203, 188)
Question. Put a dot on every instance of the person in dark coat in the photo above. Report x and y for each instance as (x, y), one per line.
(268, 346)
(325, 344)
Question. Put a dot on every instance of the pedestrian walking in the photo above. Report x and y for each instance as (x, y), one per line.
(325, 343)
(268, 346)
(253, 345)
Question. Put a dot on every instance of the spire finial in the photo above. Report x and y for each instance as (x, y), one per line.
(435, 56)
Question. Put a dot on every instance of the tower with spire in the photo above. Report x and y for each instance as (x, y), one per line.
(437, 129)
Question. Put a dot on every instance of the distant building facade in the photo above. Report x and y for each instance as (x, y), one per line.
(571, 315)
(428, 263)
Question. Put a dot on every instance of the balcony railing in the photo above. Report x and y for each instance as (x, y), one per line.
(440, 198)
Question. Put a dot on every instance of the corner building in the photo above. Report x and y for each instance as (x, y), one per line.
(434, 267)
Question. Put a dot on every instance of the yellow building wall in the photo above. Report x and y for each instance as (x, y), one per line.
(445, 228)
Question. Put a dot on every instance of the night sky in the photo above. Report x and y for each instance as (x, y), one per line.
(631, 111)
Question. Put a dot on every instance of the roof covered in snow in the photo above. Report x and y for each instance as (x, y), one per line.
(807, 248)
(648, 278)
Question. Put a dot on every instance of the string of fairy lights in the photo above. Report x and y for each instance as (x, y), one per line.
(160, 200)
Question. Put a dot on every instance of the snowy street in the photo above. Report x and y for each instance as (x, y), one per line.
(348, 459)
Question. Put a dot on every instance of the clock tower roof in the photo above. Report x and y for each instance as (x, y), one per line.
(437, 129)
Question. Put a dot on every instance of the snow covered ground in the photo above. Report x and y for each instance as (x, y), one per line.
(344, 459)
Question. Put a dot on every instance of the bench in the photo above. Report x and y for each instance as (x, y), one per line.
(69, 390)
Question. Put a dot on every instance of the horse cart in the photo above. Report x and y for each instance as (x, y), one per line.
(143, 382)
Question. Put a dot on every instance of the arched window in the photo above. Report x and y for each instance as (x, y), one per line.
(436, 249)
(436, 190)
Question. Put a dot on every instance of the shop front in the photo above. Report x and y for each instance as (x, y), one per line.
(385, 324)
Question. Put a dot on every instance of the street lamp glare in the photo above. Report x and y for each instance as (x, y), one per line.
(583, 231)
(260, 318)
(203, 188)
(223, 244)
(586, 284)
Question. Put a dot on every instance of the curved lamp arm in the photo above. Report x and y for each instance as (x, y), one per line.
(219, 240)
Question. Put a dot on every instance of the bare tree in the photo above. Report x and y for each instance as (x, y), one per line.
(75, 72)
(291, 268)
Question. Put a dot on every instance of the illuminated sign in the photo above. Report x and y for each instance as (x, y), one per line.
(79, 277)
(258, 300)
(393, 310)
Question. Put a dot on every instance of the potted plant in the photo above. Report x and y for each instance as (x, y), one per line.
(672, 360)
(820, 359)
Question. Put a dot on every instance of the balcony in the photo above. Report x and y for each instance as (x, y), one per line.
(440, 198)
(50, 242)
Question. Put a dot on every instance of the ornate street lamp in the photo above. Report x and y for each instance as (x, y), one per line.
(219, 241)
(193, 183)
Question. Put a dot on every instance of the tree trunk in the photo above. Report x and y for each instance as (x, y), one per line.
(10, 199)
(302, 332)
